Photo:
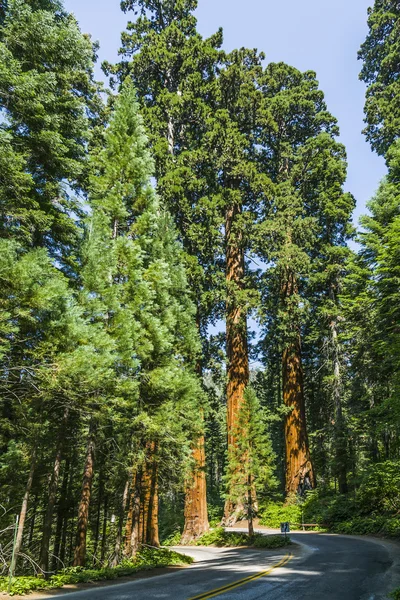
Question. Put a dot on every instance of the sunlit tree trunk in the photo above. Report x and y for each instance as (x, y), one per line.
(236, 341)
(299, 468)
(340, 434)
(196, 517)
(118, 541)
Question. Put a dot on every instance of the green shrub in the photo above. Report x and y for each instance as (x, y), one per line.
(270, 541)
(173, 539)
(221, 538)
(276, 513)
(395, 595)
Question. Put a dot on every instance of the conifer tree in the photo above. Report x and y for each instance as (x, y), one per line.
(174, 71)
(380, 71)
(135, 284)
(251, 468)
(303, 235)
(48, 98)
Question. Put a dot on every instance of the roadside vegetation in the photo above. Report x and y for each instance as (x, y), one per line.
(221, 538)
(145, 560)
(371, 508)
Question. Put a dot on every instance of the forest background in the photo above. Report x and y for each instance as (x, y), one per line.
(144, 229)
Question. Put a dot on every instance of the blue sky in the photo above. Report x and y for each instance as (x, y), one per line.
(314, 34)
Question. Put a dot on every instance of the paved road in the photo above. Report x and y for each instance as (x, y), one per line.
(319, 567)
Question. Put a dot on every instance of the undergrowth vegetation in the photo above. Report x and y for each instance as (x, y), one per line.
(221, 538)
(146, 559)
(371, 507)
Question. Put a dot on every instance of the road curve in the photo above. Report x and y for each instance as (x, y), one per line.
(318, 567)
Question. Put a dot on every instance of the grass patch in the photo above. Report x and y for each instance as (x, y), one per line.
(221, 538)
(146, 559)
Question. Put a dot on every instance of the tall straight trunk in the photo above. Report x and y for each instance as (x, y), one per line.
(62, 508)
(99, 506)
(196, 517)
(196, 514)
(25, 503)
(299, 469)
(53, 487)
(236, 342)
(148, 524)
(84, 504)
(104, 533)
(134, 538)
(129, 517)
(340, 436)
(152, 536)
(67, 514)
(118, 541)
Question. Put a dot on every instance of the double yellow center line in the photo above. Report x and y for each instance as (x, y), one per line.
(232, 586)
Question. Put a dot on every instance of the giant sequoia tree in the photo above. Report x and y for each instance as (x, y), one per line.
(304, 226)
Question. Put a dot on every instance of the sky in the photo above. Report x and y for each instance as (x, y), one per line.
(318, 35)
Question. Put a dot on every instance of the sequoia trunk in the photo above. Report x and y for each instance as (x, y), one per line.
(340, 437)
(196, 517)
(299, 469)
(236, 341)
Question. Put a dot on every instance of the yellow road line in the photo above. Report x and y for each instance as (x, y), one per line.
(236, 584)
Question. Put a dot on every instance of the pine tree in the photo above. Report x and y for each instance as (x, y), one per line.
(380, 71)
(174, 71)
(135, 285)
(251, 468)
(48, 100)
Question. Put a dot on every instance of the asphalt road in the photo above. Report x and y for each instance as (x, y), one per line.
(318, 567)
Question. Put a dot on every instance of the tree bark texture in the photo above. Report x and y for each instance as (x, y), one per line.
(196, 517)
(236, 341)
(299, 469)
(84, 504)
(150, 491)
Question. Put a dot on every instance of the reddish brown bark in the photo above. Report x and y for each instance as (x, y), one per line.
(148, 527)
(236, 341)
(196, 517)
(299, 468)
(84, 504)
